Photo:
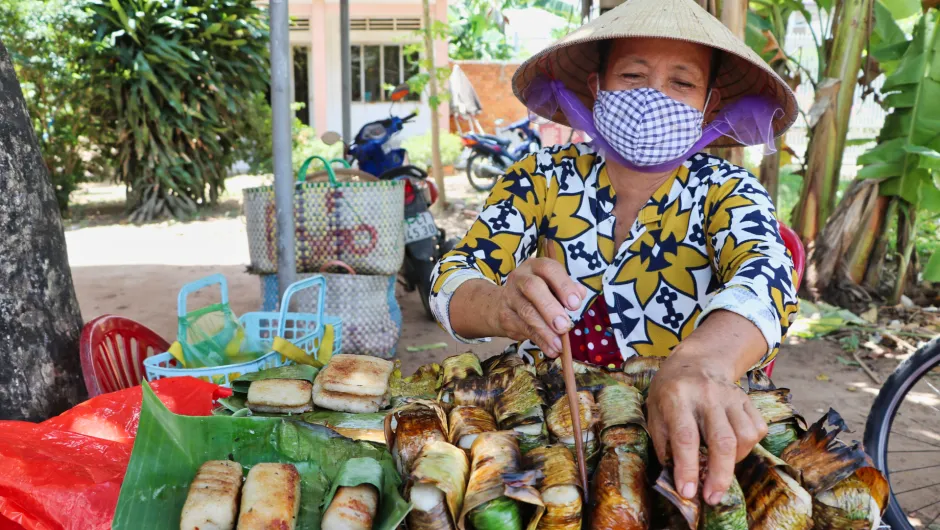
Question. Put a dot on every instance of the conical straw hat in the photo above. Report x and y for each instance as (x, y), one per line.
(572, 59)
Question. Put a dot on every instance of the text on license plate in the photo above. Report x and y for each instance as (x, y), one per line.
(420, 227)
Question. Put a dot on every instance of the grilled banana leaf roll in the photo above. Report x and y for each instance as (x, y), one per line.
(462, 366)
(473, 392)
(631, 438)
(559, 486)
(505, 362)
(773, 496)
(821, 459)
(466, 423)
(490, 504)
(424, 383)
(620, 404)
(437, 486)
(519, 408)
(784, 424)
(410, 428)
(853, 503)
(619, 498)
(848, 492)
(759, 380)
(560, 425)
(729, 514)
(639, 370)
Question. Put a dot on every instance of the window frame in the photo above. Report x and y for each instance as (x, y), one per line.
(383, 97)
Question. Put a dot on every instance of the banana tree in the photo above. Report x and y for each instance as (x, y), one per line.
(904, 167)
(829, 116)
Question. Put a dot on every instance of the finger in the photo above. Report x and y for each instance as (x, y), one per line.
(745, 432)
(658, 434)
(536, 329)
(722, 449)
(565, 289)
(537, 292)
(684, 444)
(758, 420)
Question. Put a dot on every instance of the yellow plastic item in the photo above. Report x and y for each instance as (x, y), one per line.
(176, 350)
(294, 353)
(326, 345)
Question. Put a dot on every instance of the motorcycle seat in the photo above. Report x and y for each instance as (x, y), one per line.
(493, 138)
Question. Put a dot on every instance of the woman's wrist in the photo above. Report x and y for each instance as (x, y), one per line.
(471, 310)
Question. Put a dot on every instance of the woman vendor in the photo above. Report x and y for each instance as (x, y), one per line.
(663, 250)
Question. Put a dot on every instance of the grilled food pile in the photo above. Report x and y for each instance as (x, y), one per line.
(495, 450)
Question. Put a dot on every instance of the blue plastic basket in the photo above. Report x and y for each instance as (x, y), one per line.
(304, 330)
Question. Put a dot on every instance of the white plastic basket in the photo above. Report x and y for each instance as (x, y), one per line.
(304, 330)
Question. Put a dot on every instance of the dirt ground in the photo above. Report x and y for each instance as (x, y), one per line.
(136, 271)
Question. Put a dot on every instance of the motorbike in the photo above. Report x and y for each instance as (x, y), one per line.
(491, 155)
(372, 151)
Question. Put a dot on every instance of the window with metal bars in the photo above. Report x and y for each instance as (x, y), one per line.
(378, 68)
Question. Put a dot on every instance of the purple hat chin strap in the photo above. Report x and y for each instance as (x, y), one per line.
(749, 121)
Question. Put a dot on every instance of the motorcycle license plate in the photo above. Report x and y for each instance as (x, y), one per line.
(420, 227)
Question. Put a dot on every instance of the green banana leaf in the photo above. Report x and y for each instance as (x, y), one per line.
(368, 426)
(169, 450)
(358, 471)
(291, 371)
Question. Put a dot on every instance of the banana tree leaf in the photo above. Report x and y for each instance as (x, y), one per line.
(169, 450)
(816, 320)
(880, 171)
(368, 427)
(291, 371)
(885, 152)
(932, 270)
(365, 470)
(234, 403)
(901, 9)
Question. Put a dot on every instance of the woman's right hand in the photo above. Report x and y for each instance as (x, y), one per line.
(531, 304)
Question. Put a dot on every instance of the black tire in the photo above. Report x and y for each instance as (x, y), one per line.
(480, 183)
(882, 414)
(424, 269)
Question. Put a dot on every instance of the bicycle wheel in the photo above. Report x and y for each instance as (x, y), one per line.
(902, 436)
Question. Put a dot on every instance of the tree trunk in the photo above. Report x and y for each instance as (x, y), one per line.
(770, 172)
(434, 101)
(40, 323)
(734, 17)
(830, 117)
(907, 230)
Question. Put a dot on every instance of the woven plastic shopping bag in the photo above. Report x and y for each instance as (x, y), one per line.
(366, 305)
(359, 223)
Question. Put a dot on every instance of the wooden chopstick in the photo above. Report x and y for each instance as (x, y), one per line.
(571, 390)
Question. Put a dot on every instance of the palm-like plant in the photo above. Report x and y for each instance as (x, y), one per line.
(170, 80)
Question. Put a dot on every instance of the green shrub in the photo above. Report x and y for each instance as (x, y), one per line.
(307, 143)
(419, 149)
(172, 82)
(42, 39)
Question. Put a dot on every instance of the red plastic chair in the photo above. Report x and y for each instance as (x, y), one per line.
(113, 350)
(792, 240)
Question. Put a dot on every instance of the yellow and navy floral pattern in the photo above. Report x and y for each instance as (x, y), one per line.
(707, 240)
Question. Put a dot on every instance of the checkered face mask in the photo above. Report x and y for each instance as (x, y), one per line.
(645, 126)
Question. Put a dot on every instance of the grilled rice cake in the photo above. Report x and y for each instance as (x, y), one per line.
(212, 502)
(343, 402)
(280, 395)
(352, 508)
(270, 498)
(360, 375)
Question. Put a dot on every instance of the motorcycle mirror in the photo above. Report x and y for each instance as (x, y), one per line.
(400, 92)
(331, 137)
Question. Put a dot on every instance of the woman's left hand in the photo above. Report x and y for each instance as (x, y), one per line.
(693, 401)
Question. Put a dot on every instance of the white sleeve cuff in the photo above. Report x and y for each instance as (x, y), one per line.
(741, 300)
(440, 301)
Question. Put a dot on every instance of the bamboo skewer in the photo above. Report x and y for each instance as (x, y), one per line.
(571, 390)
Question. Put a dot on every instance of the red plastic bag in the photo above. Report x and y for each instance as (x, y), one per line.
(52, 479)
(114, 416)
(66, 473)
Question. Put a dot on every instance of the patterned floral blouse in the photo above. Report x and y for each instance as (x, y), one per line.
(706, 240)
